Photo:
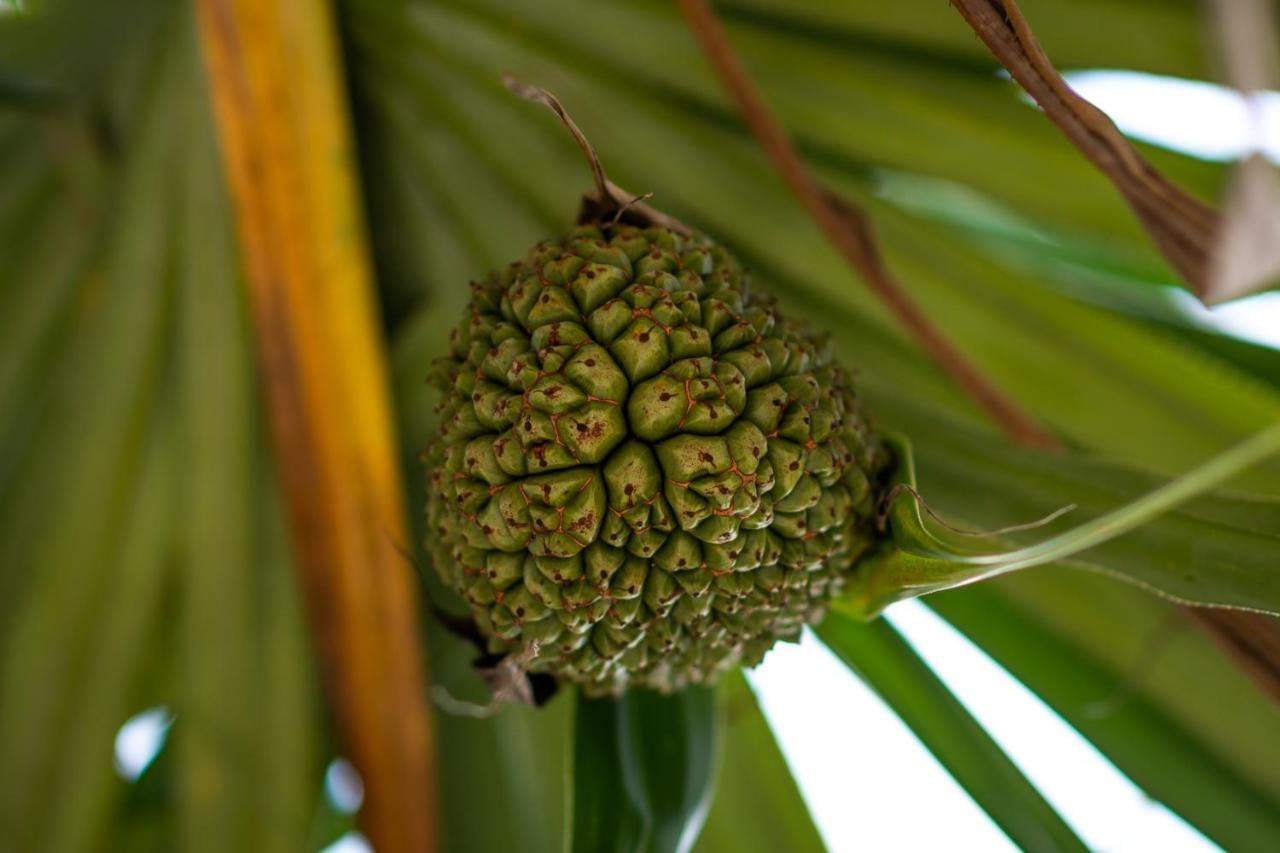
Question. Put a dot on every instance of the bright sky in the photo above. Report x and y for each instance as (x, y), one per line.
(862, 772)
(866, 778)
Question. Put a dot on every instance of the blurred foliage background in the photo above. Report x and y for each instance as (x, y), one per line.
(144, 556)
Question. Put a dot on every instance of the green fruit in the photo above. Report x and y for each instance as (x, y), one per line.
(645, 475)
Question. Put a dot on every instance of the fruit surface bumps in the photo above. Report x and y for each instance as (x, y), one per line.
(644, 474)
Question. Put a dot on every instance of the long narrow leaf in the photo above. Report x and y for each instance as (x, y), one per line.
(85, 786)
(608, 800)
(643, 769)
(1149, 745)
(1150, 648)
(1172, 43)
(215, 735)
(66, 508)
(892, 668)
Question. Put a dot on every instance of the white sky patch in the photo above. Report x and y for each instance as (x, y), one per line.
(869, 783)
(352, 842)
(1106, 809)
(872, 786)
(1204, 120)
(1253, 318)
(343, 786)
(140, 740)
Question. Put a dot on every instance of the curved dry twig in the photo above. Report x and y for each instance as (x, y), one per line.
(538, 95)
(609, 203)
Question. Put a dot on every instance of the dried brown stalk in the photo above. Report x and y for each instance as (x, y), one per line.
(1252, 640)
(850, 231)
(1184, 229)
(278, 95)
(1247, 258)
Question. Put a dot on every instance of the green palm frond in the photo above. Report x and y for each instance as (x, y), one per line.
(145, 546)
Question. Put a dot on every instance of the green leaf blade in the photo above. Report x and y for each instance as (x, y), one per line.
(643, 770)
(758, 806)
(1160, 753)
(888, 664)
(607, 803)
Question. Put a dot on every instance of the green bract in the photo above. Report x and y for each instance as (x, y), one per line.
(645, 475)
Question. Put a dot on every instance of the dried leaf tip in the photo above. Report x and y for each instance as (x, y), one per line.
(608, 203)
(538, 95)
